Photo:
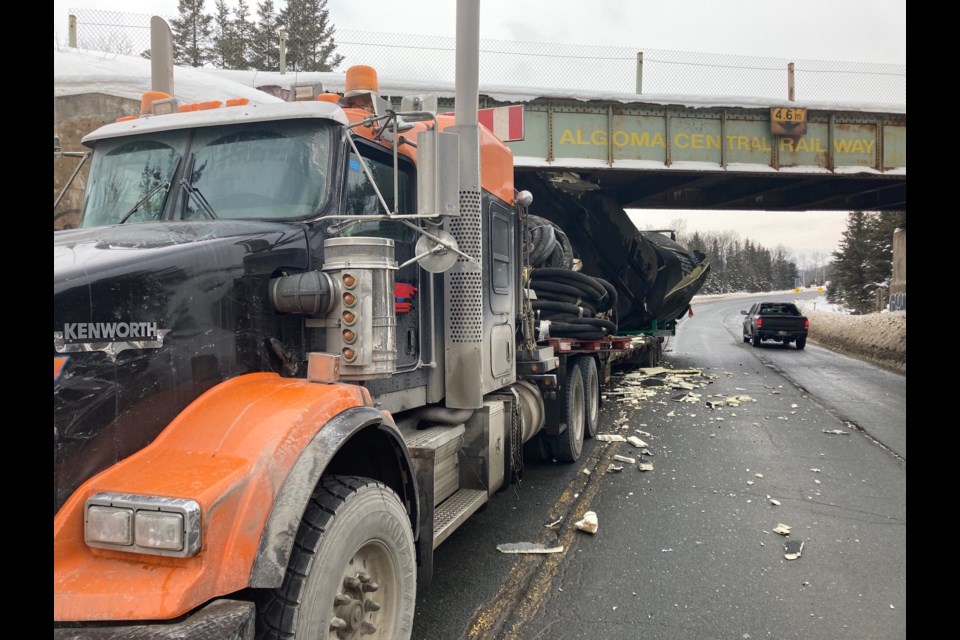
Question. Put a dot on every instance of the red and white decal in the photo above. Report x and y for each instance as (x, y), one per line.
(505, 122)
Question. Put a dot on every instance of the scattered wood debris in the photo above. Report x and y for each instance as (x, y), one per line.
(782, 529)
(645, 466)
(836, 432)
(792, 549)
(614, 468)
(610, 437)
(637, 442)
(626, 459)
(528, 547)
(589, 522)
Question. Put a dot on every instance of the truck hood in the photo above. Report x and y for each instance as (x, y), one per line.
(149, 316)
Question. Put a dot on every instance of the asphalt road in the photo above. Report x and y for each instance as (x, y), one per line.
(687, 550)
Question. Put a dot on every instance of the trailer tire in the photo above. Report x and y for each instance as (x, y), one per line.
(354, 547)
(568, 445)
(591, 390)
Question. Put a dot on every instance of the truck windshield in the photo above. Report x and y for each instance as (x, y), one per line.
(269, 170)
(274, 169)
(129, 171)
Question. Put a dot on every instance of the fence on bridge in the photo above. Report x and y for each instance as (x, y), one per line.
(572, 67)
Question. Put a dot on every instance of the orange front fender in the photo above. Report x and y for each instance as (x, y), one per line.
(231, 450)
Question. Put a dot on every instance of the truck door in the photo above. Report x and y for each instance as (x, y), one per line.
(361, 198)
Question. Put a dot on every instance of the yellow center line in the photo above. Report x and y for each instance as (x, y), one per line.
(531, 577)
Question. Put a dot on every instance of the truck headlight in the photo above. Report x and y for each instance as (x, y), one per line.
(142, 524)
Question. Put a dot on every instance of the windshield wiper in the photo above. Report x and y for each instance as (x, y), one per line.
(205, 207)
(150, 194)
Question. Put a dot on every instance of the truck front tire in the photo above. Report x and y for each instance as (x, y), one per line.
(353, 567)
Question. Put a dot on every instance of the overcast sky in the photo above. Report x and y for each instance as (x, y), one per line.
(844, 30)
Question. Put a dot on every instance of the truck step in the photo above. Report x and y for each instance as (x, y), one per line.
(457, 508)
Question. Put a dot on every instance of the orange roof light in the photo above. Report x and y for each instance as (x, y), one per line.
(237, 102)
(209, 104)
(328, 97)
(146, 101)
(360, 79)
(126, 118)
(190, 106)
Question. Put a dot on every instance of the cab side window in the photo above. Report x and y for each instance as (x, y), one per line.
(360, 197)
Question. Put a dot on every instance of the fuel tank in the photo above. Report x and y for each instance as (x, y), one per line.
(149, 316)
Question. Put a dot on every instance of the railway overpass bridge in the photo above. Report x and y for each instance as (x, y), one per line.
(689, 152)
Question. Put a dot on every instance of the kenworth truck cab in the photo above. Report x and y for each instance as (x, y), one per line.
(295, 347)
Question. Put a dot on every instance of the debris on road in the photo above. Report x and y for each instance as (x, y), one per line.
(585, 471)
(555, 524)
(528, 547)
(645, 466)
(610, 437)
(589, 522)
(774, 502)
(792, 549)
(713, 405)
(643, 433)
(646, 452)
(837, 432)
(758, 475)
(637, 442)
(782, 529)
(614, 468)
(749, 481)
(814, 469)
(626, 459)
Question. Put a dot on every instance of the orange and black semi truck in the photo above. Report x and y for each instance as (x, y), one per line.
(297, 345)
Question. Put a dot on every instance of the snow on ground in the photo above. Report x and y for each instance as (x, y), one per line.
(880, 338)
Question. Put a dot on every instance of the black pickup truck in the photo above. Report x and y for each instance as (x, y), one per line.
(780, 321)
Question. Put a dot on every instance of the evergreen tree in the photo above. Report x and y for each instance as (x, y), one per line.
(864, 262)
(265, 47)
(243, 33)
(310, 43)
(191, 34)
(224, 38)
(850, 284)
